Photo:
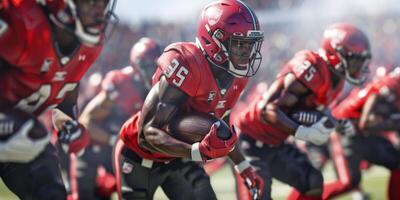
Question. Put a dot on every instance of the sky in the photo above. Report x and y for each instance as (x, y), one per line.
(135, 11)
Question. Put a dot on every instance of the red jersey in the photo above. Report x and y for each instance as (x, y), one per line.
(35, 76)
(126, 88)
(313, 72)
(351, 107)
(185, 66)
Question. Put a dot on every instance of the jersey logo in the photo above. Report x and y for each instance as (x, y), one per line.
(127, 168)
(3, 27)
(82, 57)
(59, 76)
(211, 96)
(46, 65)
(221, 104)
(64, 60)
(223, 91)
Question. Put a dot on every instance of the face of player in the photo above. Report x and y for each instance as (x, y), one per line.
(358, 67)
(240, 53)
(147, 66)
(92, 14)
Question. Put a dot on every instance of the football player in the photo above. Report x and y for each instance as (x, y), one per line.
(372, 114)
(122, 94)
(207, 76)
(45, 48)
(308, 82)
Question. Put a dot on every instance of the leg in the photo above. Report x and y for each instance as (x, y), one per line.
(37, 180)
(258, 156)
(347, 167)
(188, 180)
(291, 166)
(135, 181)
(94, 156)
(378, 150)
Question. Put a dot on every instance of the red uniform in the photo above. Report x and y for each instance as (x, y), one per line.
(351, 107)
(35, 75)
(309, 69)
(126, 88)
(185, 66)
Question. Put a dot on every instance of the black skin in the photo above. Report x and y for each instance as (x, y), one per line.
(162, 103)
(281, 97)
(375, 116)
(66, 44)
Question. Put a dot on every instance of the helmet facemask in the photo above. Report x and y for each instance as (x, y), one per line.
(72, 20)
(242, 53)
(354, 67)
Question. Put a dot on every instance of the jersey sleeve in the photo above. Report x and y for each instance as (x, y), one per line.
(11, 40)
(109, 85)
(351, 106)
(308, 72)
(178, 71)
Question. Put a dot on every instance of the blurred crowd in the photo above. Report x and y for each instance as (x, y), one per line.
(283, 37)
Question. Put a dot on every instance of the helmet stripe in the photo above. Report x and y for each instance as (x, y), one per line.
(251, 13)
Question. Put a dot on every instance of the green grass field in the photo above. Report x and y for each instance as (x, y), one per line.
(374, 182)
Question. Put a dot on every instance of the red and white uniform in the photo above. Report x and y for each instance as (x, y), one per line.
(126, 88)
(35, 75)
(184, 66)
(351, 107)
(309, 69)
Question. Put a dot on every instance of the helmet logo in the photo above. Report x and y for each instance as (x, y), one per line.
(217, 57)
(336, 35)
(213, 15)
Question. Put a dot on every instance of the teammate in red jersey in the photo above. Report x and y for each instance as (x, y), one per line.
(204, 77)
(122, 94)
(45, 48)
(309, 81)
(371, 113)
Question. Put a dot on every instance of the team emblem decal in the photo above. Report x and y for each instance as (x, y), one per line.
(213, 15)
(127, 168)
(211, 96)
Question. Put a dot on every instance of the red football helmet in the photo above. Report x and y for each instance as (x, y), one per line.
(86, 19)
(143, 56)
(346, 48)
(230, 37)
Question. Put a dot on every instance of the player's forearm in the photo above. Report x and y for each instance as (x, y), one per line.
(274, 116)
(236, 155)
(166, 144)
(96, 132)
(59, 118)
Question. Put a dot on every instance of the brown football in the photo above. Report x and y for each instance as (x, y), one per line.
(12, 120)
(192, 127)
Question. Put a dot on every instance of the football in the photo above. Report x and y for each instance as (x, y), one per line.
(12, 120)
(309, 117)
(192, 127)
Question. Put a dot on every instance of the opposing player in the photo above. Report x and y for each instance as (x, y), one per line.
(205, 77)
(372, 112)
(122, 95)
(45, 48)
(308, 82)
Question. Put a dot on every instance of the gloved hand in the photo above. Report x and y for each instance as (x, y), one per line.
(106, 183)
(346, 127)
(20, 147)
(252, 180)
(73, 137)
(212, 146)
(318, 133)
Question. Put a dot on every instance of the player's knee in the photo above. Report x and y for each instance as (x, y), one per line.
(354, 181)
(315, 180)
